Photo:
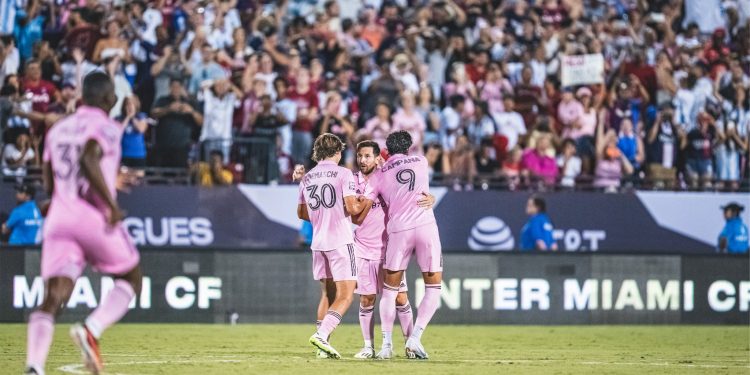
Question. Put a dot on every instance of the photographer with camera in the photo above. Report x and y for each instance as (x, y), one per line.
(665, 139)
(178, 117)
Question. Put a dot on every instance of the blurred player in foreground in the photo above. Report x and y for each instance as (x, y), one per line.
(81, 161)
(411, 229)
(327, 196)
(370, 238)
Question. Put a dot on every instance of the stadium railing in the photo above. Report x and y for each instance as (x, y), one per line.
(255, 156)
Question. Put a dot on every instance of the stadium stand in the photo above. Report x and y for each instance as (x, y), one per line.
(556, 94)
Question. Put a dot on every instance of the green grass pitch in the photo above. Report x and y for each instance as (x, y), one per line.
(130, 349)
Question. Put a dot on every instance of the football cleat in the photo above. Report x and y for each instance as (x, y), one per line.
(322, 344)
(386, 352)
(365, 353)
(33, 371)
(89, 347)
(415, 350)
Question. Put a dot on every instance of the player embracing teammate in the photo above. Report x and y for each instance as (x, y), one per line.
(370, 238)
(327, 197)
(411, 229)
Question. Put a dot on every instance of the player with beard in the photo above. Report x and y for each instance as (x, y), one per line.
(412, 230)
(370, 238)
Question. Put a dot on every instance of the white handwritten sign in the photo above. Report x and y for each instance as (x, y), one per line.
(582, 69)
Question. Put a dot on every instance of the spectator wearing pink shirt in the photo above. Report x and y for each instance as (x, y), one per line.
(584, 128)
(569, 112)
(460, 84)
(379, 126)
(494, 88)
(537, 165)
(407, 118)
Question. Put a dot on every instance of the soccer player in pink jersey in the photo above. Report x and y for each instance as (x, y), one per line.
(327, 197)
(411, 229)
(370, 238)
(81, 162)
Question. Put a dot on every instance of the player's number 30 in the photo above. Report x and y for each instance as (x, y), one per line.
(326, 197)
(406, 177)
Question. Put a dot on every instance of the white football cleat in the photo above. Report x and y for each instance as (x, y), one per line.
(322, 344)
(386, 352)
(415, 350)
(322, 355)
(365, 353)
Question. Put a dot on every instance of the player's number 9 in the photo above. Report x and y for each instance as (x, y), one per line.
(326, 198)
(406, 177)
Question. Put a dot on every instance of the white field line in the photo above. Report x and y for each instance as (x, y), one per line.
(78, 368)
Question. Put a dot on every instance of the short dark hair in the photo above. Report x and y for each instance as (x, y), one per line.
(539, 203)
(368, 143)
(568, 141)
(8, 90)
(278, 80)
(216, 153)
(32, 61)
(326, 146)
(398, 142)
(97, 88)
(456, 99)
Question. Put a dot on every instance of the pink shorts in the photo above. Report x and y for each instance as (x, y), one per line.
(423, 240)
(83, 238)
(370, 277)
(337, 264)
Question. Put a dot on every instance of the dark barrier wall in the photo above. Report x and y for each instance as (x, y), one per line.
(206, 285)
(256, 217)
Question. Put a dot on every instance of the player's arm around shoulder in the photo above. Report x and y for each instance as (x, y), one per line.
(359, 218)
(353, 204)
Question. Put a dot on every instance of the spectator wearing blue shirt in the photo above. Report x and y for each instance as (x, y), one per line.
(734, 237)
(537, 233)
(29, 29)
(25, 221)
(135, 124)
(305, 234)
(205, 70)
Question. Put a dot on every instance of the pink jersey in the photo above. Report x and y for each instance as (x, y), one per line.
(63, 149)
(370, 236)
(401, 182)
(323, 190)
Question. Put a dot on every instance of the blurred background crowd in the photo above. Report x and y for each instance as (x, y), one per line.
(235, 91)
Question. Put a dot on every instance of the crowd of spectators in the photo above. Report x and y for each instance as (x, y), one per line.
(476, 83)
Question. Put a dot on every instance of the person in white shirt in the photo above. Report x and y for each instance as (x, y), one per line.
(706, 13)
(683, 101)
(288, 108)
(450, 122)
(147, 19)
(17, 156)
(122, 86)
(10, 59)
(220, 98)
(401, 71)
(482, 126)
(510, 123)
(569, 164)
